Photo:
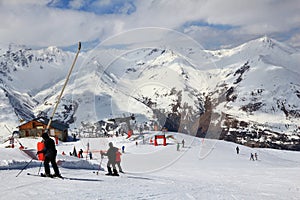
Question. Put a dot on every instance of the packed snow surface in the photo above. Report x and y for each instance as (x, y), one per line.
(202, 169)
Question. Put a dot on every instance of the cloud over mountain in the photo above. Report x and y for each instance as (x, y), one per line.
(64, 23)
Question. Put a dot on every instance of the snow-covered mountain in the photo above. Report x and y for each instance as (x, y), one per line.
(261, 94)
(24, 73)
(248, 94)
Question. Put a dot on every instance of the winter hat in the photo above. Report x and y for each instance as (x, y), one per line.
(110, 144)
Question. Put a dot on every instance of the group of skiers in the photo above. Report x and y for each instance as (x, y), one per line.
(253, 157)
(114, 158)
(50, 153)
(79, 154)
(178, 144)
(113, 154)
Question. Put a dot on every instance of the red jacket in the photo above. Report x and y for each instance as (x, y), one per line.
(118, 156)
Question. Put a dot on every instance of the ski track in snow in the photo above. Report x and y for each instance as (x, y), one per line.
(219, 174)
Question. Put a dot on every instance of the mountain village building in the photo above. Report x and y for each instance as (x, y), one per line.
(37, 126)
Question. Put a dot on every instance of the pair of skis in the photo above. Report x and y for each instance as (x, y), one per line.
(46, 176)
(98, 173)
(65, 178)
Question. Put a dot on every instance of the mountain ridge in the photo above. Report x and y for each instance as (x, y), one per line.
(248, 83)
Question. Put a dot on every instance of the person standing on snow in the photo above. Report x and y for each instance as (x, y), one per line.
(251, 156)
(111, 155)
(50, 153)
(118, 161)
(74, 152)
(237, 150)
(80, 153)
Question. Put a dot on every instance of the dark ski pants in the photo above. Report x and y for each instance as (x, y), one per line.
(50, 159)
(113, 165)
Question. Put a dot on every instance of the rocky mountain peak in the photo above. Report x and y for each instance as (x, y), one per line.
(250, 96)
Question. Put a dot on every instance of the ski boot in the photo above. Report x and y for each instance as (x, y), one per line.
(46, 175)
(109, 172)
(115, 173)
(58, 176)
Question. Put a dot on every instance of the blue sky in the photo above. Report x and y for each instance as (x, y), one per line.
(95, 6)
(213, 23)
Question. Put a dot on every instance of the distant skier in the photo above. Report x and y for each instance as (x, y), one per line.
(118, 161)
(237, 150)
(251, 156)
(111, 154)
(74, 137)
(256, 156)
(143, 137)
(50, 153)
(183, 143)
(178, 145)
(123, 149)
(80, 153)
(74, 152)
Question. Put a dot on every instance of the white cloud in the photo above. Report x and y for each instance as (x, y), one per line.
(295, 40)
(102, 3)
(42, 26)
(31, 22)
(248, 19)
(23, 2)
(76, 4)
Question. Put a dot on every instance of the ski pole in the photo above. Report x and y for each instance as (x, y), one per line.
(40, 168)
(100, 164)
(24, 167)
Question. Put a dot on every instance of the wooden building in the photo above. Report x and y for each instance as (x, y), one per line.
(37, 126)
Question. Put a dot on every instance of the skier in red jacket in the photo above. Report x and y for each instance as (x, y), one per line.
(118, 161)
